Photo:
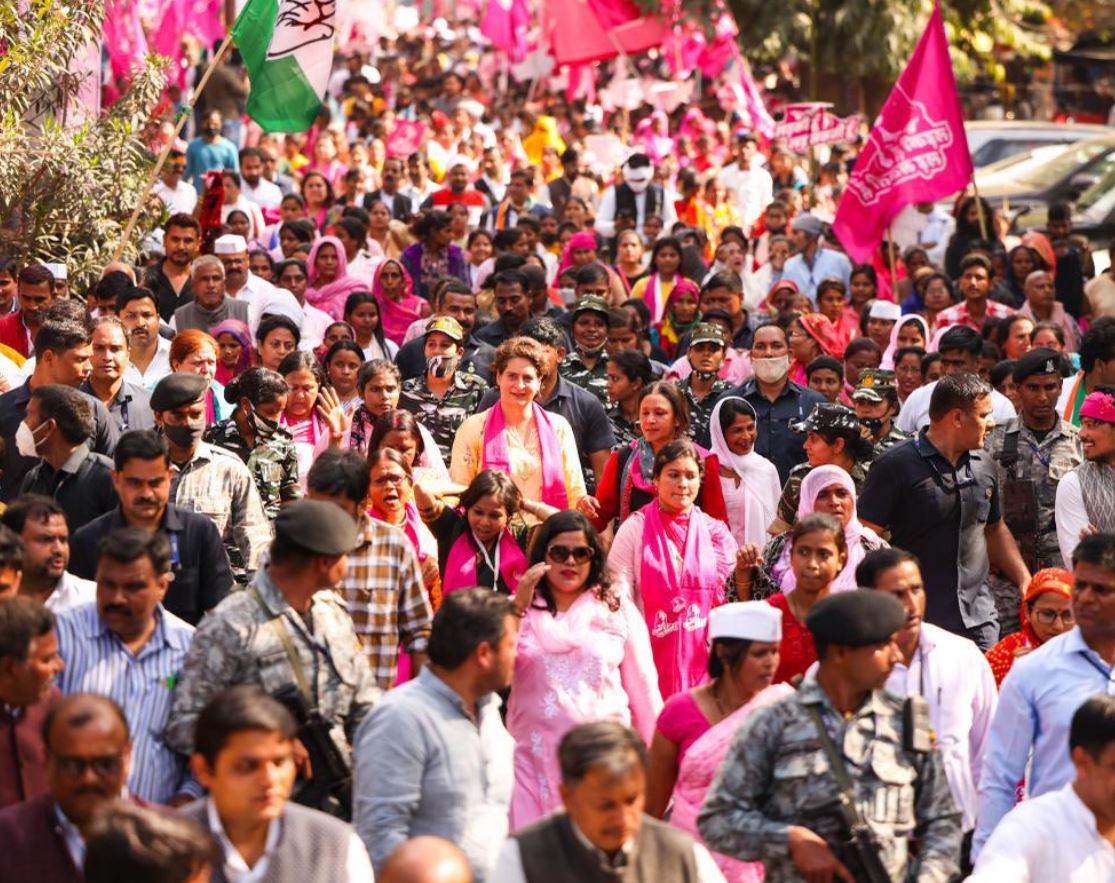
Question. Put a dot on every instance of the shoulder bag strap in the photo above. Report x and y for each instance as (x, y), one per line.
(295, 658)
(836, 762)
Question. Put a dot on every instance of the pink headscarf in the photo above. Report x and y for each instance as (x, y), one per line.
(855, 532)
(892, 347)
(331, 296)
(584, 239)
(396, 316)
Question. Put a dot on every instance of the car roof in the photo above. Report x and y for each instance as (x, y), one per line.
(1036, 126)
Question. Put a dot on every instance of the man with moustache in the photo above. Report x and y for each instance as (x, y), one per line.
(34, 293)
(1086, 496)
(128, 647)
(41, 525)
(947, 671)
(148, 350)
(129, 403)
(169, 280)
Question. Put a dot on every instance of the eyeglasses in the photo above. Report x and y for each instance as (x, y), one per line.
(75, 767)
(385, 480)
(1048, 617)
(175, 166)
(561, 554)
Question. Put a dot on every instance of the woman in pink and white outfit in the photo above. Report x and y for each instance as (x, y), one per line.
(583, 655)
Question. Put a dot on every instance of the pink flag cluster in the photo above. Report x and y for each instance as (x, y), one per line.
(917, 150)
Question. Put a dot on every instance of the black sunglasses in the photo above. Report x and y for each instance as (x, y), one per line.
(561, 554)
(74, 767)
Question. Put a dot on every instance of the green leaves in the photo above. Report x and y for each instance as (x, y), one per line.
(67, 185)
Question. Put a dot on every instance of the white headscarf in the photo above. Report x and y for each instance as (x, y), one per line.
(757, 473)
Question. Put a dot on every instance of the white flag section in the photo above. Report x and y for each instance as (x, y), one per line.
(287, 46)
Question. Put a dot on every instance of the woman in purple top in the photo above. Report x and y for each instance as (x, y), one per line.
(434, 255)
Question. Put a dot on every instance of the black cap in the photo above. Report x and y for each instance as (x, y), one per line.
(317, 526)
(1040, 361)
(178, 389)
(830, 417)
(856, 619)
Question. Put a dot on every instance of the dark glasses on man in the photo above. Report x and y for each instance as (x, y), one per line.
(561, 554)
(75, 767)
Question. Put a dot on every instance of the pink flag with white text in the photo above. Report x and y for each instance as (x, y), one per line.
(123, 36)
(917, 150)
(505, 23)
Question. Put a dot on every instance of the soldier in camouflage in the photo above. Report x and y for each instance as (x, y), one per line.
(876, 403)
(708, 343)
(289, 628)
(776, 797)
(587, 365)
(254, 435)
(443, 397)
(1032, 453)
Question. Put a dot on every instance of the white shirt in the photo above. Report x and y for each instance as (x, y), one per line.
(182, 198)
(954, 678)
(71, 836)
(606, 215)
(1048, 839)
(915, 410)
(156, 371)
(1072, 516)
(71, 591)
(752, 189)
(509, 865)
(358, 867)
(265, 194)
(261, 295)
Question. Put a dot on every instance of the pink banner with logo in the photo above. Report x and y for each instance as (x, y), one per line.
(405, 138)
(809, 125)
(917, 150)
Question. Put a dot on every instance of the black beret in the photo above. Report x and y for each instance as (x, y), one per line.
(316, 526)
(178, 389)
(1040, 361)
(856, 619)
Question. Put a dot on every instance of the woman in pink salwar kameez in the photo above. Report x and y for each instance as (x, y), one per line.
(675, 561)
(583, 655)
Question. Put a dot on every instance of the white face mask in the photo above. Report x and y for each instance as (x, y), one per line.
(25, 441)
(771, 370)
(639, 184)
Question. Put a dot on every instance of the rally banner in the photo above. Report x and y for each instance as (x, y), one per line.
(917, 150)
(813, 124)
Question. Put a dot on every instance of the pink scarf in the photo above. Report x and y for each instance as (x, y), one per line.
(330, 297)
(583, 240)
(654, 299)
(676, 602)
(396, 316)
(419, 535)
(497, 456)
(699, 767)
(465, 554)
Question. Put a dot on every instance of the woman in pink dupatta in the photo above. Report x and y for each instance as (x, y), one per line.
(675, 561)
(583, 655)
(329, 283)
(399, 306)
(745, 638)
(910, 330)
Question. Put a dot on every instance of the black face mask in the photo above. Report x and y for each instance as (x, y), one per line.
(548, 239)
(874, 425)
(186, 436)
(212, 131)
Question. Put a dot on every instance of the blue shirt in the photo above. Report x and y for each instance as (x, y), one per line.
(827, 264)
(1036, 703)
(142, 685)
(202, 157)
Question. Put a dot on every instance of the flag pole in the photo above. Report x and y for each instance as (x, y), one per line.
(979, 210)
(183, 116)
(893, 261)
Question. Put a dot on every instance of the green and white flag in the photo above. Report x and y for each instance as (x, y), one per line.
(287, 46)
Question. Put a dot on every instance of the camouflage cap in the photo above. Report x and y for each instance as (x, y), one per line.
(591, 303)
(828, 417)
(708, 332)
(448, 326)
(873, 385)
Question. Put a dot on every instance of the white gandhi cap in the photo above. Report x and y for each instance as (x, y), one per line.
(885, 309)
(58, 271)
(230, 243)
(746, 621)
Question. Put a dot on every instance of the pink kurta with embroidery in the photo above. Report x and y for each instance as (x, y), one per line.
(586, 664)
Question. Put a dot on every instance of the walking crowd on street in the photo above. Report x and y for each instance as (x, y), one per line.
(482, 508)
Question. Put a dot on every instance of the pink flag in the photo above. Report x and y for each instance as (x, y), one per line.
(405, 139)
(583, 31)
(752, 107)
(917, 150)
(123, 36)
(505, 23)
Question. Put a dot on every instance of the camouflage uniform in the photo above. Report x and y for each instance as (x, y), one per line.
(776, 775)
(595, 379)
(442, 417)
(700, 412)
(273, 463)
(238, 643)
(625, 432)
(791, 491)
(1038, 470)
(888, 441)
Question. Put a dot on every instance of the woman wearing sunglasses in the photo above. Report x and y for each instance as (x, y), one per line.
(1046, 613)
(583, 655)
(676, 560)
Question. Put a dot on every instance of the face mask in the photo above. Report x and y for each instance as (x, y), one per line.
(443, 366)
(25, 441)
(548, 238)
(212, 131)
(184, 436)
(771, 370)
(704, 376)
(262, 427)
(873, 425)
(638, 185)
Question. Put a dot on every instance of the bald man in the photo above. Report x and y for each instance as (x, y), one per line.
(427, 860)
(88, 755)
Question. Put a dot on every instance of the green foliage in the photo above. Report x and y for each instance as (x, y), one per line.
(874, 38)
(66, 190)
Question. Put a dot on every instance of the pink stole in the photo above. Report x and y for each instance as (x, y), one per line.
(676, 603)
(496, 455)
(461, 563)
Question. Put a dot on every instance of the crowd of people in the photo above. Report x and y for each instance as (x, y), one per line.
(484, 512)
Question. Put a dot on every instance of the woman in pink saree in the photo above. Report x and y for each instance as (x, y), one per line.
(745, 655)
(583, 655)
(329, 281)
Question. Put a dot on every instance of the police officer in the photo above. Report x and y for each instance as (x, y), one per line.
(1032, 453)
(703, 388)
(587, 365)
(288, 629)
(876, 403)
(444, 396)
(777, 798)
